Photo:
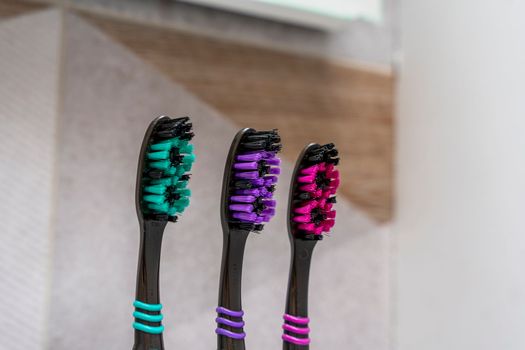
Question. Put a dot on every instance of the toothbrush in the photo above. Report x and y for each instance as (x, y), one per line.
(310, 217)
(160, 195)
(250, 176)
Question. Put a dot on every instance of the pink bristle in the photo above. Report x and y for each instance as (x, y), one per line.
(307, 226)
(334, 183)
(328, 224)
(308, 188)
(318, 230)
(306, 179)
(302, 218)
(331, 214)
(307, 208)
(310, 170)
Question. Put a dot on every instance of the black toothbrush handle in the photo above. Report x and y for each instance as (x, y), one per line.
(148, 334)
(296, 317)
(230, 290)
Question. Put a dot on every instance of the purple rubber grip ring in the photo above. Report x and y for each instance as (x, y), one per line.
(229, 334)
(230, 323)
(296, 319)
(225, 311)
(296, 341)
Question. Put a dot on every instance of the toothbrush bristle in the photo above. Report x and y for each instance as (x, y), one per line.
(254, 174)
(167, 161)
(315, 186)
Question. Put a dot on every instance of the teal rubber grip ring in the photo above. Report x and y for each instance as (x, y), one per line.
(147, 307)
(147, 317)
(148, 329)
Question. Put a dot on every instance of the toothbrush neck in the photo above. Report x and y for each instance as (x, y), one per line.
(149, 261)
(297, 296)
(148, 284)
(231, 274)
(230, 286)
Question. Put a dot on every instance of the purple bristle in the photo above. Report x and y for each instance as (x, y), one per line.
(267, 195)
(270, 180)
(258, 182)
(246, 166)
(248, 217)
(273, 161)
(243, 199)
(252, 192)
(246, 208)
(251, 157)
(268, 212)
(270, 203)
(247, 175)
(268, 155)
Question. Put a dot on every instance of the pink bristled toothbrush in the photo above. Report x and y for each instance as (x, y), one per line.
(310, 216)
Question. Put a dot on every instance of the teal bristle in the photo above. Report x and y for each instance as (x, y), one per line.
(168, 160)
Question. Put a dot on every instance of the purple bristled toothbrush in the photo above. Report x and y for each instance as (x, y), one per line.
(250, 176)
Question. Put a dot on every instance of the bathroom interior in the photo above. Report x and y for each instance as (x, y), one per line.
(424, 100)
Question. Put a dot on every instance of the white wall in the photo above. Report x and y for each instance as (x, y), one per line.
(461, 176)
(29, 64)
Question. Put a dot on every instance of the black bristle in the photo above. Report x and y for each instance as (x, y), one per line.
(315, 158)
(160, 217)
(187, 136)
(154, 174)
(275, 148)
(253, 146)
(242, 184)
(304, 196)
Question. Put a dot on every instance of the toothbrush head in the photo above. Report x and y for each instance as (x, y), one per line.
(251, 173)
(165, 159)
(312, 193)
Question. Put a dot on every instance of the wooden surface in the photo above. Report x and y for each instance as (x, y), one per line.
(11, 8)
(307, 99)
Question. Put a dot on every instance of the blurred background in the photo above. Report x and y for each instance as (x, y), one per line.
(424, 99)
